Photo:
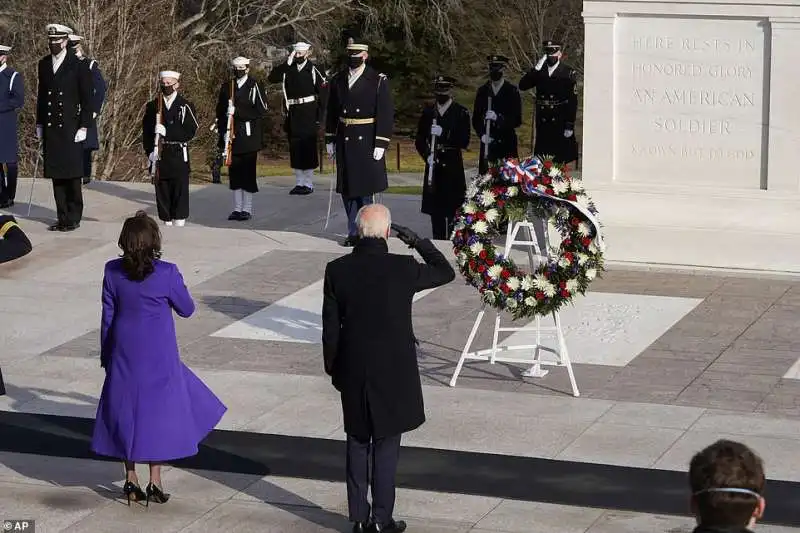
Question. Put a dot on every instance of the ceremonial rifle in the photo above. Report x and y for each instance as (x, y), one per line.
(487, 127)
(227, 153)
(159, 140)
(429, 173)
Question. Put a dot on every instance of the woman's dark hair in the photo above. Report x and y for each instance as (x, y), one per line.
(140, 241)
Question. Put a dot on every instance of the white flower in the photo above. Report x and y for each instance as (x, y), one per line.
(572, 285)
(476, 248)
(489, 296)
(487, 198)
(560, 186)
(527, 283)
(583, 201)
(480, 226)
(470, 208)
(550, 290)
(495, 271)
(593, 248)
(540, 282)
(513, 283)
(531, 301)
(462, 258)
(512, 191)
(563, 262)
(555, 172)
(583, 229)
(491, 215)
(582, 258)
(591, 274)
(511, 303)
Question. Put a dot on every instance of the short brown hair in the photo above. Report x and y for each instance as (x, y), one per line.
(140, 241)
(730, 465)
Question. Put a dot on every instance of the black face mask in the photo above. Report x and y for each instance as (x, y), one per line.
(551, 60)
(355, 61)
(496, 75)
(167, 90)
(442, 98)
(55, 48)
(239, 73)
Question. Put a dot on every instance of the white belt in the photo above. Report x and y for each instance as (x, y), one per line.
(305, 100)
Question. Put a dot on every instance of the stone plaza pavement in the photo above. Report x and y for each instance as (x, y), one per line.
(669, 357)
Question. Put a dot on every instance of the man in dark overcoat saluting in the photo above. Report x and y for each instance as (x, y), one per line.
(63, 117)
(369, 349)
(359, 125)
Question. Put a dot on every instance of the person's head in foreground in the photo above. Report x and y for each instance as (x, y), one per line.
(727, 481)
(140, 242)
(374, 220)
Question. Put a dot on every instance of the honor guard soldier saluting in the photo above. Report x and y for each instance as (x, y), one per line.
(245, 108)
(168, 125)
(359, 124)
(63, 118)
(12, 98)
(303, 84)
(496, 115)
(92, 141)
(556, 105)
(443, 132)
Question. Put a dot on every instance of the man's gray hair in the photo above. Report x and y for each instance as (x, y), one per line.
(373, 220)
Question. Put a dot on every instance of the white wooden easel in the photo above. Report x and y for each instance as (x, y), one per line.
(492, 354)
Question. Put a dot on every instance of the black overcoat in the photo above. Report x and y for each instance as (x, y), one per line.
(63, 106)
(444, 193)
(99, 87)
(12, 98)
(359, 119)
(556, 110)
(248, 117)
(181, 125)
(507, 104)
(367, 334)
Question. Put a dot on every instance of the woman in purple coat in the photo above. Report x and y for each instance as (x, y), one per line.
(152, 408)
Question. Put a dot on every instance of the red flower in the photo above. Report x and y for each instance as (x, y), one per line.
(563, 284)
(567, 242)
(564, 293)
(549, 191)
(472, 264)
(480, 215)
(505, 288)
(569, 256)
(539, 295)
(575, 221)
(490, 262)
(481, 268)
(586, 241)
(548, 164)
(546, 180)
(536, 182)
(545, 274)
(483, 254)
(505, 274)
(572, 197)
(501, 203)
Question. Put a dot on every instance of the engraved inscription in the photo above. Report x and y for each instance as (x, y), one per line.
(689, 91)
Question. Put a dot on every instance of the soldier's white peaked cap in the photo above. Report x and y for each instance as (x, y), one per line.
(4, 49)
(75, 38)
(240, 62)
(169, 74)
(58, 30)
(302, 47)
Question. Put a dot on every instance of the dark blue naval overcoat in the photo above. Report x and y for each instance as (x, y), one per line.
(12, 98)
(98, 97)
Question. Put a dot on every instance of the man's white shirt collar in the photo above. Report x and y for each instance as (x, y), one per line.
(3, 67)
(355, 74)
(443, 108)
(241, 81)
(552, 69)
(497, 85)
(58, 59)
(169, 99)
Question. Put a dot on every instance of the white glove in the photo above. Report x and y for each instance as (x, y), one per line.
(39, 131)
(436, 130)
(430, 160)
(291, 58)
(94, 115)
(231, 110)
(152, 157)
(485, 139)
(490, 115)
(331, 148)
(80, 135)
(161, 130)
(540, 64)
(568, 133)
(378, 153)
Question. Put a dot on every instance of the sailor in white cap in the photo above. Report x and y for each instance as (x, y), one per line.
(241, 103)
(12, 98)
(303, 85)
(168, 125)
(63, 118)
(92, 142)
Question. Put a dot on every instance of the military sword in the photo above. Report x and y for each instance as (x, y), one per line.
(35, 171)
(330, 191)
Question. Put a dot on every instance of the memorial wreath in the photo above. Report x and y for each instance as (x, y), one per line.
(515, 191)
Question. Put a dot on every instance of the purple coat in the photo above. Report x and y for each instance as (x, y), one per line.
(152, 407)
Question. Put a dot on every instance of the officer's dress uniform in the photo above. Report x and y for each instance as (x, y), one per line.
(248, 118)
(556, 110)
(507, 104)
(12, 98)
(303, 87)
(444, 193)
(172, 181)
(64, 106)
(360, 118)
(92, 142)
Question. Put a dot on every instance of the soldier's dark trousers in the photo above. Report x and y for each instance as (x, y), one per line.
(69, 200)
(378, 456)
(442, 227)
(87, 163)
(8, 182)
(172, 199)
(351, 207)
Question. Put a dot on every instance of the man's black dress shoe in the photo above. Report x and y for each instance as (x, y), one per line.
(5, 204)
(55, 227)
(391, 527)
(298, 189)
(70, 227)
(236, 215)
(359, 527)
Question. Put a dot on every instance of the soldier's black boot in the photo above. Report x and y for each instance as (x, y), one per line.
(359, 527)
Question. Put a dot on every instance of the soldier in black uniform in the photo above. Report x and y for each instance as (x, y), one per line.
(303, 84)
(359, 125)
(99, 87)
(556, 105)
(248, 112)
(444, 185)
(177, 126)
(63, 117)
(504, 116)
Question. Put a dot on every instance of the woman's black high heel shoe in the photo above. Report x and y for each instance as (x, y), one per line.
(156, 494)
(133, 492)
